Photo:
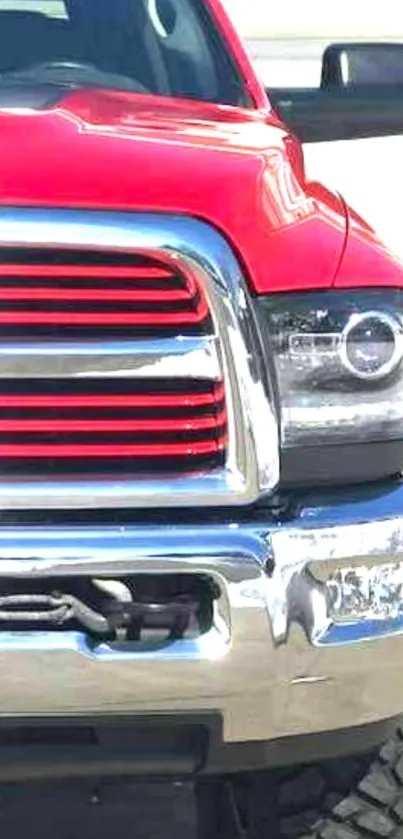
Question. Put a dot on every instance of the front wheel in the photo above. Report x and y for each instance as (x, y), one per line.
(345, 798)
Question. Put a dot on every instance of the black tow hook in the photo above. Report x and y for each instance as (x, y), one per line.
(177, 614)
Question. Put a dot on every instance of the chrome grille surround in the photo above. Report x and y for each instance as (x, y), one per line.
(232, 353)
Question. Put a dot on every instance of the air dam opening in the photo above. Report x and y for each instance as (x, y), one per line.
(38, 750)
(143, 608)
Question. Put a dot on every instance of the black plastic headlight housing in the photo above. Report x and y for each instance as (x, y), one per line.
(337, 359)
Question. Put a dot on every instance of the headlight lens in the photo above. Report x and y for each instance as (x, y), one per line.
(338, 364)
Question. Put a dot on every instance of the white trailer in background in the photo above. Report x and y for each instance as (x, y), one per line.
(316, 19)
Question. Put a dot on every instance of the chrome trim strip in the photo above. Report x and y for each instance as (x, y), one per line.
(199, 489)
(277, 659)
(252, 464)
(209, 647)
(167, 358)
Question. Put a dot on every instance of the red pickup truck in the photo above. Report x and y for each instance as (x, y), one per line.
(201, 421)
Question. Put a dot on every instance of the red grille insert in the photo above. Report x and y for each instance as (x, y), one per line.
(55, 427)
(96, 296)
(65, 426)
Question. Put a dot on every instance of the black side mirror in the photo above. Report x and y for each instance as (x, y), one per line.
(361, 65)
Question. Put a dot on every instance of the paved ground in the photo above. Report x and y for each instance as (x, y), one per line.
(87, 811)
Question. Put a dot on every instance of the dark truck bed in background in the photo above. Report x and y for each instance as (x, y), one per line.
(317, 115)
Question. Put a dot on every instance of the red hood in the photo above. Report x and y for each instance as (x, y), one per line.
(231, 167)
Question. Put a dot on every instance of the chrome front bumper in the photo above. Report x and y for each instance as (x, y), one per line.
(307, 635)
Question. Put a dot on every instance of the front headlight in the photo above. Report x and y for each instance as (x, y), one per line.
(338, 365)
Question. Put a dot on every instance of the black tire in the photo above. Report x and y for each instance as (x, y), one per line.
(348, 798)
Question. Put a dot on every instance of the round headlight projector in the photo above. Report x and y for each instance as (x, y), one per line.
(371, 345)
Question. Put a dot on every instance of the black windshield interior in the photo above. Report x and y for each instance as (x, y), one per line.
(165, 47)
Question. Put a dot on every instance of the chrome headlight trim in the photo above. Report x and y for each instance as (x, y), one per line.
(357, 321)
(337, 358)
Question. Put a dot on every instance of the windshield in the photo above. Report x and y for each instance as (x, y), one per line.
(164, 47)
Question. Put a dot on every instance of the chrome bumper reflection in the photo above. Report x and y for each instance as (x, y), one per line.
(280, 658)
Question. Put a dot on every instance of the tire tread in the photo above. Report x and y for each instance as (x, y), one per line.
(347, 798)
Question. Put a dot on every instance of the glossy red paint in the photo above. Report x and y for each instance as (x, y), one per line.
(94, 294)
(95, 426)
(241, 57)
(39, 450)
(94, 272)
(75, 318)
(112, 400)
(237, 169)
(367, 261)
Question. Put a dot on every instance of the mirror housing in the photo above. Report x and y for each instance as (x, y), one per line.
(361, 95)
(347, 66)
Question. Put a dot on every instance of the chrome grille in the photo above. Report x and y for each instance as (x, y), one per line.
(130, 368)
